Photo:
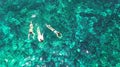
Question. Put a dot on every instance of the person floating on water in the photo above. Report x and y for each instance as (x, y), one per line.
(31, 31)
(58, 34)
(40, 35)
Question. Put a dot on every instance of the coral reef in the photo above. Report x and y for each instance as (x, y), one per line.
(90, 33)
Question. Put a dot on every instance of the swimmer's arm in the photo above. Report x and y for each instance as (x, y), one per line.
(38, 30)
(49, 27)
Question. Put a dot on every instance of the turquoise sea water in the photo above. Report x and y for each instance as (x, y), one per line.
(90, 31)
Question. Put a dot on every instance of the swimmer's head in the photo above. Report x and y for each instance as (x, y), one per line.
(40, 40)
(59, 35)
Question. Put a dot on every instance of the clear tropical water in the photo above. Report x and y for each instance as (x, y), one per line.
(90, 32)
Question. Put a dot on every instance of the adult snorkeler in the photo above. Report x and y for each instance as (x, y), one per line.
(40, 35)
(58, 34)
(31, 31)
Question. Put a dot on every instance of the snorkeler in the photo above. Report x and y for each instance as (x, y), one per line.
(31, 31)
(40, 35)
(58, 34)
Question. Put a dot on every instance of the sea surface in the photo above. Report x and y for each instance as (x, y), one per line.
(59, 33)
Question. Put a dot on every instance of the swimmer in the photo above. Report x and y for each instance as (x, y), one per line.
(58, 34)
(31, 31)
(40, 35)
